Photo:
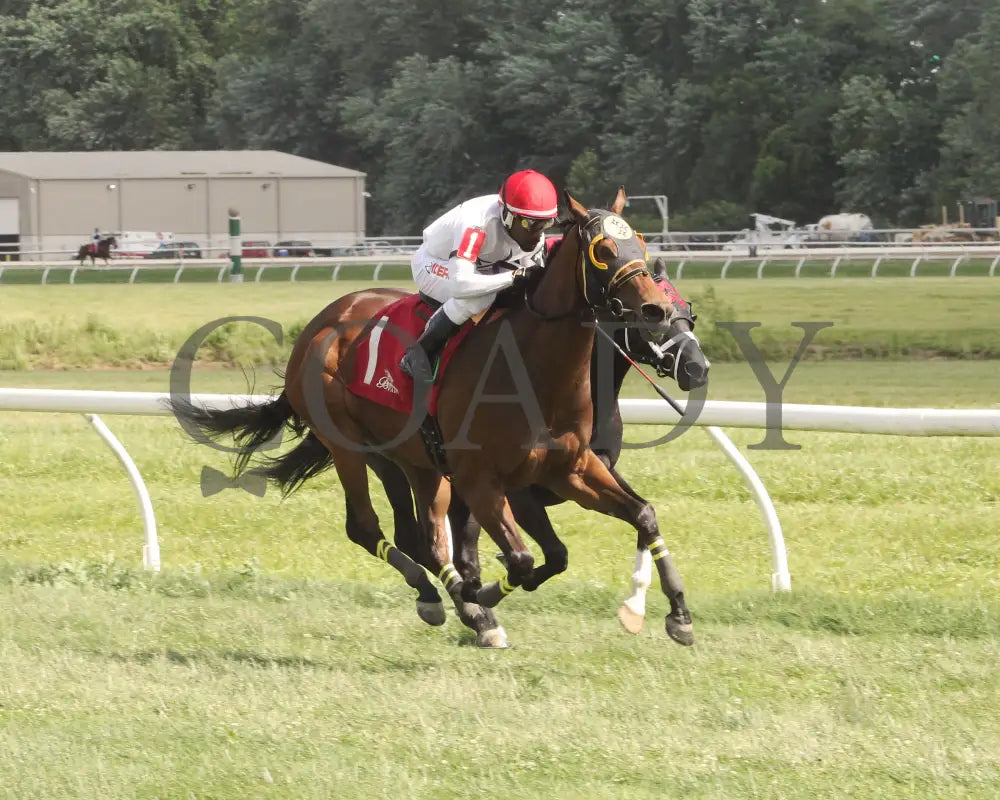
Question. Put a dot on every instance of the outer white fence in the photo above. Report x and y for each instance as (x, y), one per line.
(848, 419)
(915, 259)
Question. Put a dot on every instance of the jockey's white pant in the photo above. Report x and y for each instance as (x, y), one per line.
(437, 281)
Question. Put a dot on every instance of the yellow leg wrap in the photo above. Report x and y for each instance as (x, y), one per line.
(658, 549)
(449, 576)
(382, 549)
(505, 587)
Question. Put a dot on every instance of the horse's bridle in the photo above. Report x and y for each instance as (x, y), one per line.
(633, 267)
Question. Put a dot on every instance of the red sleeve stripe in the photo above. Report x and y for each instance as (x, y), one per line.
(472, 241)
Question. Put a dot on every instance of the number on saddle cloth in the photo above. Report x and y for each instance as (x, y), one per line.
(377, 375)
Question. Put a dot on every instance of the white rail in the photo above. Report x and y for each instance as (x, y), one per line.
(722, 413)
(848, 419)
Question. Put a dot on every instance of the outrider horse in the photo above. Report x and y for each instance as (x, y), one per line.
(103, 250)
(541, 438)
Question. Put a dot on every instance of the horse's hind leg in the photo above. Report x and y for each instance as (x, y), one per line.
(406, 530)
(465, 542)
(363, 529)
(434, 504)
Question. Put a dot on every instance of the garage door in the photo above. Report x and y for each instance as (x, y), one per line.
(9, 216)
(10, 228)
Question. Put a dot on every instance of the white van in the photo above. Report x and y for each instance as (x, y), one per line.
(139, 244)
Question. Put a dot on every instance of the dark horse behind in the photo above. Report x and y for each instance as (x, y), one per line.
(103, 250)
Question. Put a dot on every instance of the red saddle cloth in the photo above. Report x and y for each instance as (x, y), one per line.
(377, 376)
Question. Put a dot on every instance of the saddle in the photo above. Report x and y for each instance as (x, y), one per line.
(378, 378)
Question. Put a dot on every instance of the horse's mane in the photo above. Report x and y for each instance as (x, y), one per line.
(513, 297)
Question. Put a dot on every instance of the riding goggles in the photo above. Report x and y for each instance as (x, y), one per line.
(536, 225)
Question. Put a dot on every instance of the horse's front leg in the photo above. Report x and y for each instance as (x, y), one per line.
(632, 612)
(433, 497)
(529, 510)
(592, 486)
(485, 497)
(465, 532)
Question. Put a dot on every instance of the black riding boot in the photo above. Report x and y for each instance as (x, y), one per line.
(418, 360)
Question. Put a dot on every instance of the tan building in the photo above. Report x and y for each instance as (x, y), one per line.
(50, 203)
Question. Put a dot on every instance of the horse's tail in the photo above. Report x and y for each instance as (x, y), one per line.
(251, 426)
(307, 459)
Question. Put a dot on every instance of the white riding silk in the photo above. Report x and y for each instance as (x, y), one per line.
(457, 247)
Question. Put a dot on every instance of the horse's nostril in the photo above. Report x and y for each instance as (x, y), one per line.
(653, 313)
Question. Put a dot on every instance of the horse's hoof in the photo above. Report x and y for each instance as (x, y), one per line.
(493, 639)
(631, 621)
(680, 632)
(431, 613)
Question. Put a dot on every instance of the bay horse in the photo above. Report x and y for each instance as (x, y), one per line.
(682, 360)
(600, 265)
(103, 251)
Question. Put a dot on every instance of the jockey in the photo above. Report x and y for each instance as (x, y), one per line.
(457, 264)
(95, 242)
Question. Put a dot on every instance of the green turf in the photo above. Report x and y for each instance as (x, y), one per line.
(142, 325)
(273, 658)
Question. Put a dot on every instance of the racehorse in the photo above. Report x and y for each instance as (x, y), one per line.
(103, 251)
(544, 440)
(680, 359)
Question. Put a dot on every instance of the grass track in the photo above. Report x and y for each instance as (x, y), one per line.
(145, 325)
(275, 659)
(272, 658)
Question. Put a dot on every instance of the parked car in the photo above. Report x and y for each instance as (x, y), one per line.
(354, 250)
(294, 247)
(258, 248)
(176, 250)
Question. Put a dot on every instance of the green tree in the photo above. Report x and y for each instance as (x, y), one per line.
(866, 134)
(105, 74)
(425, 128)
(970, 155)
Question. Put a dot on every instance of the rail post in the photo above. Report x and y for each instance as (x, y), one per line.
(235, 249)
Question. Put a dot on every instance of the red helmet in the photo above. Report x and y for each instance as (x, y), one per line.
(528, 194)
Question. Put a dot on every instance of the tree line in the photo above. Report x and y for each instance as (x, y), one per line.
(796, 108)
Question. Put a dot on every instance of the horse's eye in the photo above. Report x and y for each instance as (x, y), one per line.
(608, 249)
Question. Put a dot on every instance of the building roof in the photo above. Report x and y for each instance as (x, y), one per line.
(168, 164)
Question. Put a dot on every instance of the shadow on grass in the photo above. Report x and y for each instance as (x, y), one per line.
(373, 663)
(807, 610)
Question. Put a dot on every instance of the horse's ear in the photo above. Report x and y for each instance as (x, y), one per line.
(659, 270)
(577, 209)
(620, 198)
